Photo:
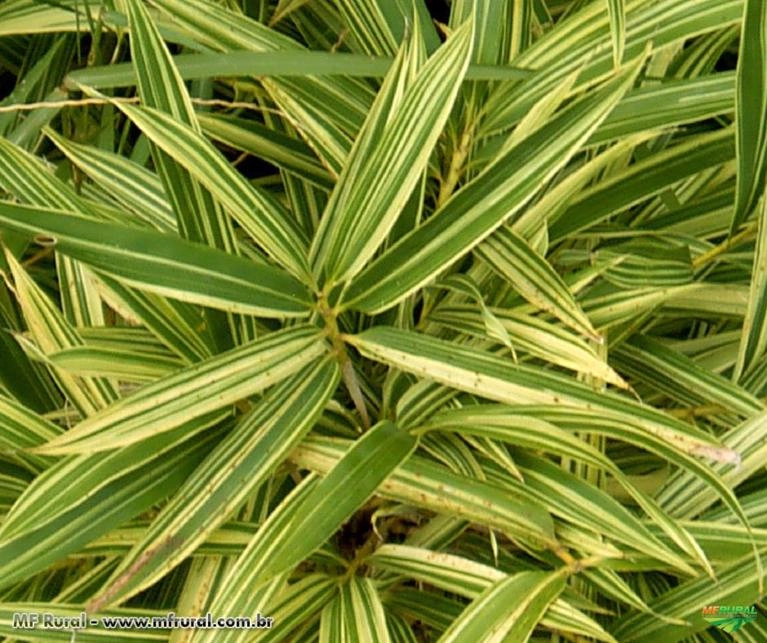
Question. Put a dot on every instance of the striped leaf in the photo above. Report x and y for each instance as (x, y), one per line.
(644, 179)
(483, 205)
(235, 595)
(683, 497)
(84, 497)
(527, 431)
(126, 365)
(644, 263)
(388, 158)
(678, 376)
(259, 213)
(164, 264)
(753, 341)
(509, 610)
(327, 111)
(738, 584)
(22, 428)
(134, 187)
(750, 107)
(536, 337)
(160, 86)
(250, 452)
(560, 314)
(583, 505)
(438, 612)
(50, 333)
(495, 378)
(192, 392)
(356, 614)
(178, 325)
(305, 598)
(36, 185)
(453, 573)
(31, 180)
(669, 104)
(365, 466)
(533, 277)
(588, 38)
(617, 13)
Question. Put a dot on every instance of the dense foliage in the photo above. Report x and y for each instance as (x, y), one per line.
(391, 320)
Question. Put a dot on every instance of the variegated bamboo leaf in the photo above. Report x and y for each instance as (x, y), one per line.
(192, 392)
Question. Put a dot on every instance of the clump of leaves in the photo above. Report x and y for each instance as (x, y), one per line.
(386, 327)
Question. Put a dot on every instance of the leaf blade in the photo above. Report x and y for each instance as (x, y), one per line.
(750, 107)
(233, 470)
(165, 264)
(483, 205)
(206, 386)
(388, 158)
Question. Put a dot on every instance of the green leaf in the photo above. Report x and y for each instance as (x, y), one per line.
(507, 611)
(194, 391)
(259, 213)
(233, 470)
(91, 634)
(484, 204)
(296, 63)
(750, 107)
(160, 86)
(362, 469)
(617, 13)
(388, 158)
(422, 483)
(284, 151)
(164, 264)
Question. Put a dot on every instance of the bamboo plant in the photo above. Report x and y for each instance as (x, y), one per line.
(390, 320)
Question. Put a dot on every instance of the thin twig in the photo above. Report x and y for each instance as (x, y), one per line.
(28, 107)
(708, 256)
(81, 102)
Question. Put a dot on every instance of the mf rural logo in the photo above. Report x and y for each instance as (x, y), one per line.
(729, 618)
